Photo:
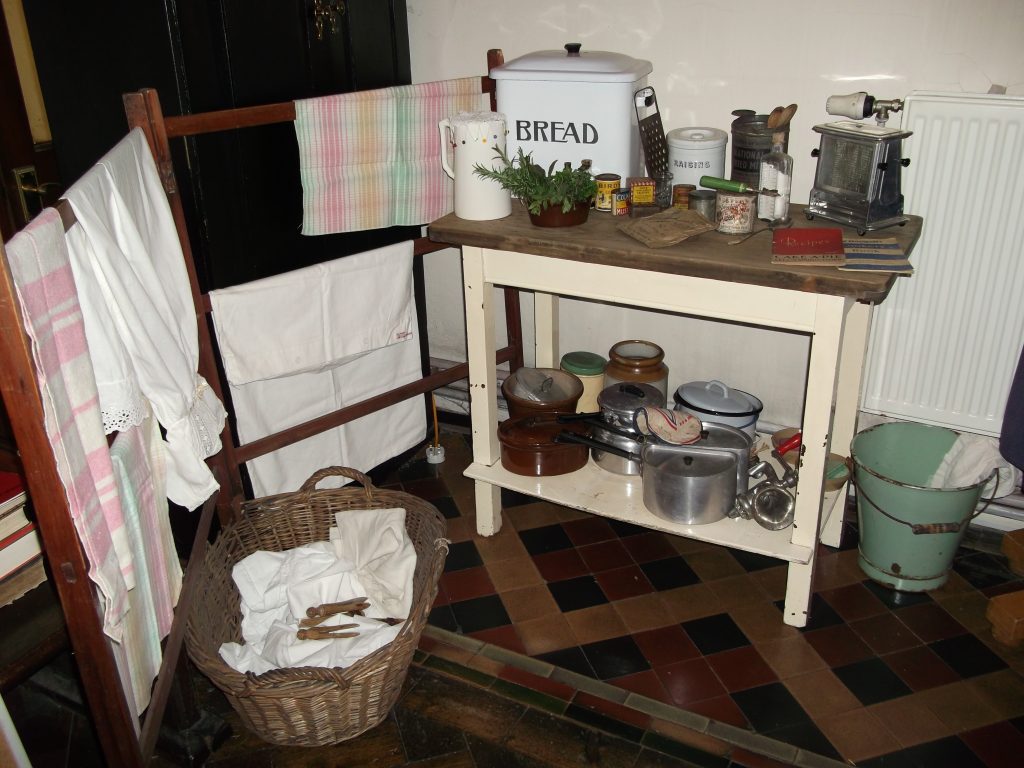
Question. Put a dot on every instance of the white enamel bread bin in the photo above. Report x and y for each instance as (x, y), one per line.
(574, 105)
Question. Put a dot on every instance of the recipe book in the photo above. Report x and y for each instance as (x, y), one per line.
(816, 246)
(881, 254)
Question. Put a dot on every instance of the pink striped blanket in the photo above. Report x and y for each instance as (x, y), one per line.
(372, 159)
(41, 271)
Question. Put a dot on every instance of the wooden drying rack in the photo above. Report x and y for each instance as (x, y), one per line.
(123, 741)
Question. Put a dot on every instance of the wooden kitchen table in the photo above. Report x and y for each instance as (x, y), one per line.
(702, 277)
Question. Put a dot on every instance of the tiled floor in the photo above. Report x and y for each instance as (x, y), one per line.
(569, 639)
(877, 678)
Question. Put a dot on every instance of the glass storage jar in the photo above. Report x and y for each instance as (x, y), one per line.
(638, 361)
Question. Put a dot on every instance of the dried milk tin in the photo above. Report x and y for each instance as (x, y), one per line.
(735, 212)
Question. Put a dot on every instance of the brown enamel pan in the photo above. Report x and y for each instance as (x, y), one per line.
(528, 446)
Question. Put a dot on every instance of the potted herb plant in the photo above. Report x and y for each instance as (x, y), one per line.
(553, 198)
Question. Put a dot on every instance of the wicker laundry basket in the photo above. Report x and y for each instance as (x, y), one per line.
(311, 706)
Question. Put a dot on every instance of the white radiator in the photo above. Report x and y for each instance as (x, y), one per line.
(944, 344)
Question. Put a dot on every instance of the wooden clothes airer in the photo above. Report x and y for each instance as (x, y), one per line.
(123, 740)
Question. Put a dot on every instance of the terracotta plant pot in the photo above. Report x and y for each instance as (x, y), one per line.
(552, 216)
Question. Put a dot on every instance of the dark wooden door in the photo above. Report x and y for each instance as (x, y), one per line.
(241, 189)
(28, 174)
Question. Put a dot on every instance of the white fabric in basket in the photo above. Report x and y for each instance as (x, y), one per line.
(369, 555)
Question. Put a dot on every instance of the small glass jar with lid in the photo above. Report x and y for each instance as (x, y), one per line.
(588, 367)
(637, 361)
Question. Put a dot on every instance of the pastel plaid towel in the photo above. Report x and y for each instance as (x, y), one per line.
(137, 459)
(41, 270)
(372, 159)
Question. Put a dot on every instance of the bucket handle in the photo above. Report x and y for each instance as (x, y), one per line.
(923, 528)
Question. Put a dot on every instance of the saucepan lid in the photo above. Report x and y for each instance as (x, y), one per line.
(623, 399)
(715, 398)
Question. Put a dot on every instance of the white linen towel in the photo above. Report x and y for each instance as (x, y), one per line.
(971, 459)
(299, 345)
(139, 316)
(369, 555)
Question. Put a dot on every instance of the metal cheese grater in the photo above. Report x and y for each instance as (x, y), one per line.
(652, 134)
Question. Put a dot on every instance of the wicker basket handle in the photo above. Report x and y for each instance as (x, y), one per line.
(351, 474)
(280, 683)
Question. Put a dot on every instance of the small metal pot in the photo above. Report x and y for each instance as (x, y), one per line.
(620, 402)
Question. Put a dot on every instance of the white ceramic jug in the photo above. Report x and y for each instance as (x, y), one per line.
(472, 137)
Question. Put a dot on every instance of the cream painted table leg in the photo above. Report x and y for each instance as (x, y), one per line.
(816, 424)
(545, 319)
(844, 421)
(483, 399)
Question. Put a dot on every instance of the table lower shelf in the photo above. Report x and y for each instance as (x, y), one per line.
(596, 490)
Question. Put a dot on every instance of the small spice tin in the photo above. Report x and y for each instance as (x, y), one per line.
(735, 212)
(641, 190)
(620, 202)
(703, 201)
(607, 183)
(681, 195)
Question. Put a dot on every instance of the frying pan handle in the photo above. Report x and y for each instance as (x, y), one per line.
(595, 420)
(565, 418)
(571, 437)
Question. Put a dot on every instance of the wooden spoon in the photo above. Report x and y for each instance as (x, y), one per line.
(785, 117)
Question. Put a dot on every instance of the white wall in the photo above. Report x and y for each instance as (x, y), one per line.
(711, 58)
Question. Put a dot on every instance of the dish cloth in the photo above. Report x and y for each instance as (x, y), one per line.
(41, 270)
(971, 459)
(299, 345)
(139, 317)
(369, 555)
(135, 455)
(372, 159)
(675, 427)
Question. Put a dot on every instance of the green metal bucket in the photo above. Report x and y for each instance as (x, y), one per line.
(909, 532)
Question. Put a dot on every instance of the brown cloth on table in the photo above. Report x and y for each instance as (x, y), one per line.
(671, 226)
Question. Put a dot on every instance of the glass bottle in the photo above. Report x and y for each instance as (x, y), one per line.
(775, 181)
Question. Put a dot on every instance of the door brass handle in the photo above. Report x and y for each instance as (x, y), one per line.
(27, 183)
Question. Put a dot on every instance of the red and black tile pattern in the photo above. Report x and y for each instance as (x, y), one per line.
(876, 678)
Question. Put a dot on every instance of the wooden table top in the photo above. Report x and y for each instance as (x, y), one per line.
(598, 241)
